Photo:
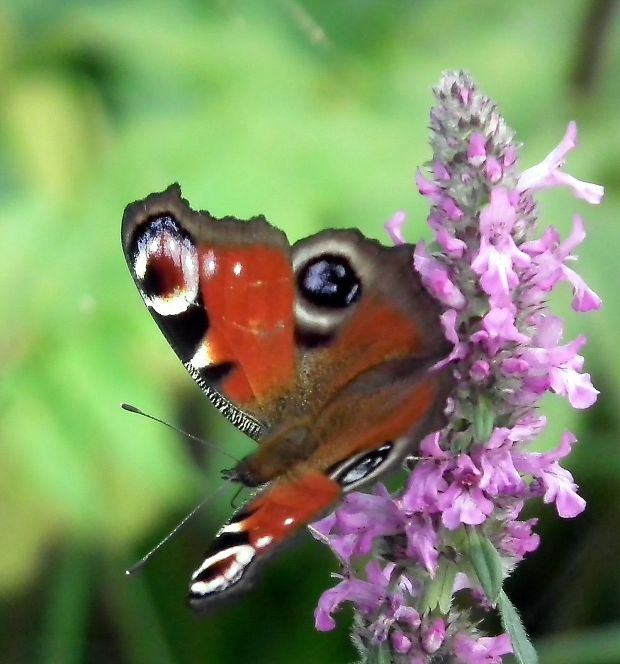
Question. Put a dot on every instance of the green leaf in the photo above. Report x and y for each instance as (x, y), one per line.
(487, 564)
(439, 591)
(522, 647)
(484, 419)
(378, 655)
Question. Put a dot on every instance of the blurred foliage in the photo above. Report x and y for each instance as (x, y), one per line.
(313, 113)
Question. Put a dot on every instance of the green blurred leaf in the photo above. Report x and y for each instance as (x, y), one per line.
(486, 563)
(522, 648)
(484, 419)
(438, 593)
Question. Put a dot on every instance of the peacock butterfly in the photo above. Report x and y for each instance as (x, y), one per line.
(322, 352)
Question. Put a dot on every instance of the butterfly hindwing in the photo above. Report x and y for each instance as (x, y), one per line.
(271, 519)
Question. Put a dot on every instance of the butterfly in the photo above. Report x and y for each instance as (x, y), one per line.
(322, 352)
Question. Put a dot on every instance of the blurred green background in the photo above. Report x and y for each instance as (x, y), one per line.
(314, 113)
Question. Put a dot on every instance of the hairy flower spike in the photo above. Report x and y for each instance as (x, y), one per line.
(455, 527)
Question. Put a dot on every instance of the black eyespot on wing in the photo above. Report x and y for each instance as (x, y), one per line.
(153, 228)
(154, 284)
(164, 263)
(354, 472)
(329, 281)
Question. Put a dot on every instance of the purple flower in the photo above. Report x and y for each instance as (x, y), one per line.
(425, 485)
(460, 350)
(558, 368)
(519, 539)
(498, 254)
(436, 279)
(381, 599)
(422, 541)
(476, 152)
(394, 227)
(498, 330)
(362, 519)
(464, 502)
(557, 483)
(492, 269)
(486, 650)
(498, 473)
(433, 636)
(547, 174)
(549, 255)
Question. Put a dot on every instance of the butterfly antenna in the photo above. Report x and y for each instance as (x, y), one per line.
(133, 409)
(134, 569)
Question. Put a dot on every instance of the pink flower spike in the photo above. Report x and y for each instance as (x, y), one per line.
(491, 268)
(476, 152)
(394, 227)
(547, 173)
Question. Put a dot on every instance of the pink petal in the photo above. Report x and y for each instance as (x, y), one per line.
(547, 173)
(476, 152)
(394, 227)
(436, 278)
(493, 170)
(451, 245)
(434, 636)
(577, 387)
(584, 298)
(427, 188)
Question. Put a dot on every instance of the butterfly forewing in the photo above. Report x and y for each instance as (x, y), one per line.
(221, 290)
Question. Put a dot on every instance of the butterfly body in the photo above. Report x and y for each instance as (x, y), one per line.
(322, 352)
